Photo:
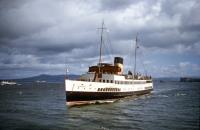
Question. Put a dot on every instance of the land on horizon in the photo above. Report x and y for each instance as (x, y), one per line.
(60, 78)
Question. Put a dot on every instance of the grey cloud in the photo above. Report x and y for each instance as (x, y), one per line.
(38, 35)
(7, 4)
(116, 4)
(190, 21)
(15, 24)
(175, 24)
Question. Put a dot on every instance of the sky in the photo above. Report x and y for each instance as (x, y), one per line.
(48, 36)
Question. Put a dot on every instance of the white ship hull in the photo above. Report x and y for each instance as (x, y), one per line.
(80, 92)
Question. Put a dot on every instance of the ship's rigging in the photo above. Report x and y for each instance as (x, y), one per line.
(105, 44)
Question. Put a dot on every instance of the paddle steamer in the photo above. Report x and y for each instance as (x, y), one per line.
(106, 82)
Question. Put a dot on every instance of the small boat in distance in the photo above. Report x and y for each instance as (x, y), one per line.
(106, 82)
(8, 83)
(40, 81)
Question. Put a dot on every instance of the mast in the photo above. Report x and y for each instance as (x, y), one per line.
(100, 51)
(136, 46)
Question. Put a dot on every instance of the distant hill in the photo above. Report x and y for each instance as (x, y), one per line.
(60, 78)
(45, 77)
(190, 79)
(171, 79)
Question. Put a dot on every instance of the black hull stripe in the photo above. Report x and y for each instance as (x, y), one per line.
(88, 96)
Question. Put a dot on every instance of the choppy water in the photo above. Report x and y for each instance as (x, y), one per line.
(171, 106)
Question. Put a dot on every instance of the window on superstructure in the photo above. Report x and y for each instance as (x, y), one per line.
(104, 80)
(148, 81)
(107, 81)
(111, 81)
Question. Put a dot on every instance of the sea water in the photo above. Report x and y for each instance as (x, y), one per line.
(170, 106)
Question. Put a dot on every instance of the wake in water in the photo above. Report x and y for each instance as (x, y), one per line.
(162, 96)
(180, 94)
(81, 103)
